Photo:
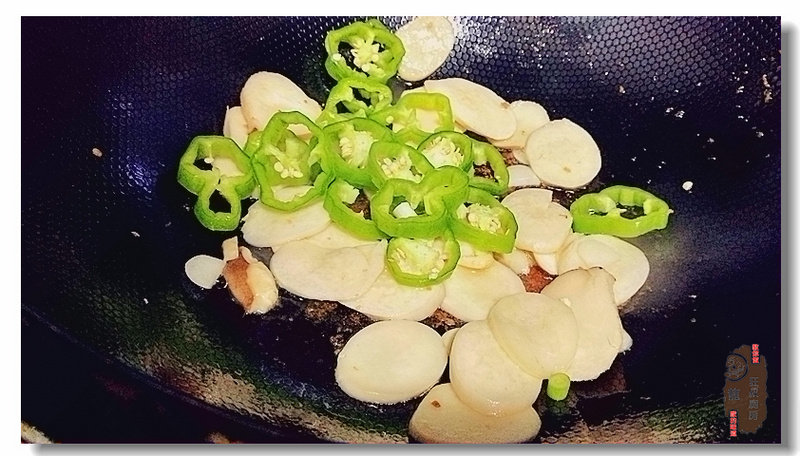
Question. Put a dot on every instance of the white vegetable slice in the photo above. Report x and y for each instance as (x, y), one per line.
(563, 154)
(203, 270)
(538, 332)
(484, 377)
(442, 417)
(266, 93)
(335, 237)
(262, 285)
(591, 297)
(470, 293)
(547, 261)
(230, 249)
(388, 300)
(627, 342)
(543, 225)
(447, 338)
(518, 260)
(621, 259)
(267, 227)
(476, 107)
(235, 126)
(474, 258)
(522, 176)
(391, 361)
(428, 41)
(314, 272)
(520, 156)
(530, 116)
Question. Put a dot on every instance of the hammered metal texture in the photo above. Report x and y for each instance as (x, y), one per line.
(668, 100)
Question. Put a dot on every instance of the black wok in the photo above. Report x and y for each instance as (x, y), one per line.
(669, 100)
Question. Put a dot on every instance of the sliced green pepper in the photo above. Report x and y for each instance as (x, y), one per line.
(416, 116)
(353, 97)
(253, 143)
(419, 210)
(484, 222)
(290, 171)
(230, 174)
(489, 170)
(619, 211)
(363, 50)
(422, 262)
(349, 208)
(391, 160)
(348, 147)
(448, 148)
(558, 386)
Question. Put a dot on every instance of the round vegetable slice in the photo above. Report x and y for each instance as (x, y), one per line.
(203, 270)
(388, 300)
(268, 227)
(518, 260)
(447, 338)
(314, 272)
(621, 259)
(476, 107)
(538, 332)
(522, 176)
(543, 225)
(470, 293)
(484, 377)
(265, 93)
(428, 41)
(563, 154)
(473, 258)
(442, 417)
(530, 116)
(391, 361)
(335, 238)
(591, 297)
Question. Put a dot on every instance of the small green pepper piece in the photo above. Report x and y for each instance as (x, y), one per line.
(353, 97)
(233, 182)
(448, 148)
(417, 116)
(489, 170)
(339, 202)
(391, 160)
(558, 386)
(285, 163)
(365, 50)
(348, 147)
(422, 262)
(484, 222)
(599, 213)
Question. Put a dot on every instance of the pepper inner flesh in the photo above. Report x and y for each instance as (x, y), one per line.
(421, 257)
(400, 168)
(481, 216)
(443, 151)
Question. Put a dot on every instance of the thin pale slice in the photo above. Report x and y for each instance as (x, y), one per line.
(388, 300)
(484, 377)
(265, 290)
(474, 258)
(520, 156)
(447, 338)
(266, 93)
(476, 107)
(591, 297)
(314, 272)
(442, 417)
(530, 116)
(543, 225)
(536, 331)
(522, 176)
(335, 237)
(627, 342)
(235, 126)
(267, 227)
(230, 249)
(391, 361)
(428, 41)
(470, 293)
(547, 261)
(203, 270)
(518, 260)
(563, 154)
(621, 259)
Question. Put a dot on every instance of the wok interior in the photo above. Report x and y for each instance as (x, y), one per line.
(668, 100)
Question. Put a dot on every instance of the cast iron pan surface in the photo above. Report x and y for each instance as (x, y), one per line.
(668, 100)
